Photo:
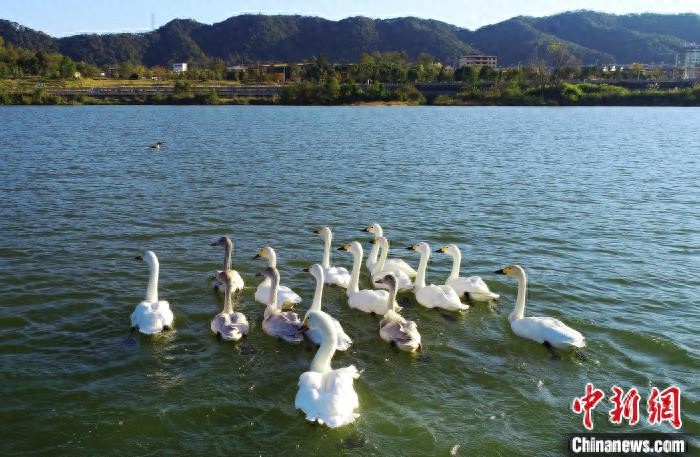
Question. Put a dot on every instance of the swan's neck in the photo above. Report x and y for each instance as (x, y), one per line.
(152, 290)
(274, 285)
(354, 285)
(519, 311)
(326, 262)
(456, 261)
(422, 266)
(316, 304)
(322, 360)
(272, 258)
(382, 260)
(227, 257)
(228, 305)
(392, 299)
(374, 252)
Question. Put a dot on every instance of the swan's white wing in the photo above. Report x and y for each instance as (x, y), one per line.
(343, 343)
(474, 286)
(230, 326)
(395, 265)
(150, 318)
(554, 331)
(402, 280)
(286, 326)
(328, 398)
(337, 276)
(369, 301)
(443, 296)
(236, 282)
(286, 297)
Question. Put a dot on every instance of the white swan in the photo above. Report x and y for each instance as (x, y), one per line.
(283, 325)
(236, 280)
(337, 276)
(392, 265)
(151, 315)
(286, 297)
(544, 330)
(473, 286)
(367, 300)
(229, 324)
(403, 282)
(325, 395)
(314, 335)
(432, 296)
(394, 328)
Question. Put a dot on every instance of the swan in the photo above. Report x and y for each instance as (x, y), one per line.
(236, 280)
(545, 330)
(394, 328)
(403, 282)
(151, 315)
(337, 276)
(473, 287)
(286, 297)
(367, 300)
(157, 145)
(283, 325)
(314, 335)
(229, 324)
(392, 265)
(432, 296)
(325, 395)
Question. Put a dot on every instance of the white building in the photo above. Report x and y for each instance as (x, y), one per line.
(688, 62)
(478, 60)
(180, 67)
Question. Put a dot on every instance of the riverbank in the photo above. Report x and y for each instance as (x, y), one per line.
(334, 93)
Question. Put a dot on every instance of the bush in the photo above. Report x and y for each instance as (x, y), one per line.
(212, 98)
(571, 92)
(182, 89)
(409, 93)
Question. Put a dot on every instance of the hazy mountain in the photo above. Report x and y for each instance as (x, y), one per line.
(592, 37)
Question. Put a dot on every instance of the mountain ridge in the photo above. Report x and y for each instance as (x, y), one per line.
(592, 37)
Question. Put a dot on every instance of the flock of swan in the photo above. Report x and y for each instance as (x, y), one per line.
(327, 395)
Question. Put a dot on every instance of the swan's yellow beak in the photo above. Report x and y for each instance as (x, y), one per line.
(260, 254)
(367, 229)
(442, 250)
(307, 269)
(344, 247)
(502, 271)
(305, 324)
(413, 247)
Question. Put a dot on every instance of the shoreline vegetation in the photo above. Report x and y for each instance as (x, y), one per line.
(39, 78)
(333, 93)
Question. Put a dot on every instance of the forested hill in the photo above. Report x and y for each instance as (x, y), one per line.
(592, 37)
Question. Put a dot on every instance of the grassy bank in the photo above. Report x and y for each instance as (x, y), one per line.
(331, 92)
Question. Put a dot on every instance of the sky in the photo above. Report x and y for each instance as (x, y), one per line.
(69, 17)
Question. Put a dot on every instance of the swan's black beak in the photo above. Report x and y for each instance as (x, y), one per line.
(216, 243)
(438, 251)
(366, 229)
(257, 256)
(317, 231)
(372, 241)
(307, 269)
(342, 248)
(410, 248)
(304, 326)
(500, 272)
(259, 273)
(139, 257)
(379, 281)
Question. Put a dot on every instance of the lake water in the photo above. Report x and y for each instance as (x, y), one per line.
(600, 205)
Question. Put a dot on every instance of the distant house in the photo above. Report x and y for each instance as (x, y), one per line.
(77, 75)
(478, 60)
(688, 62)
(180, 67)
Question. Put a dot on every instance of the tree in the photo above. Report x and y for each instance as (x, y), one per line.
(331, 89)
(560, 57)
(67, 67)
